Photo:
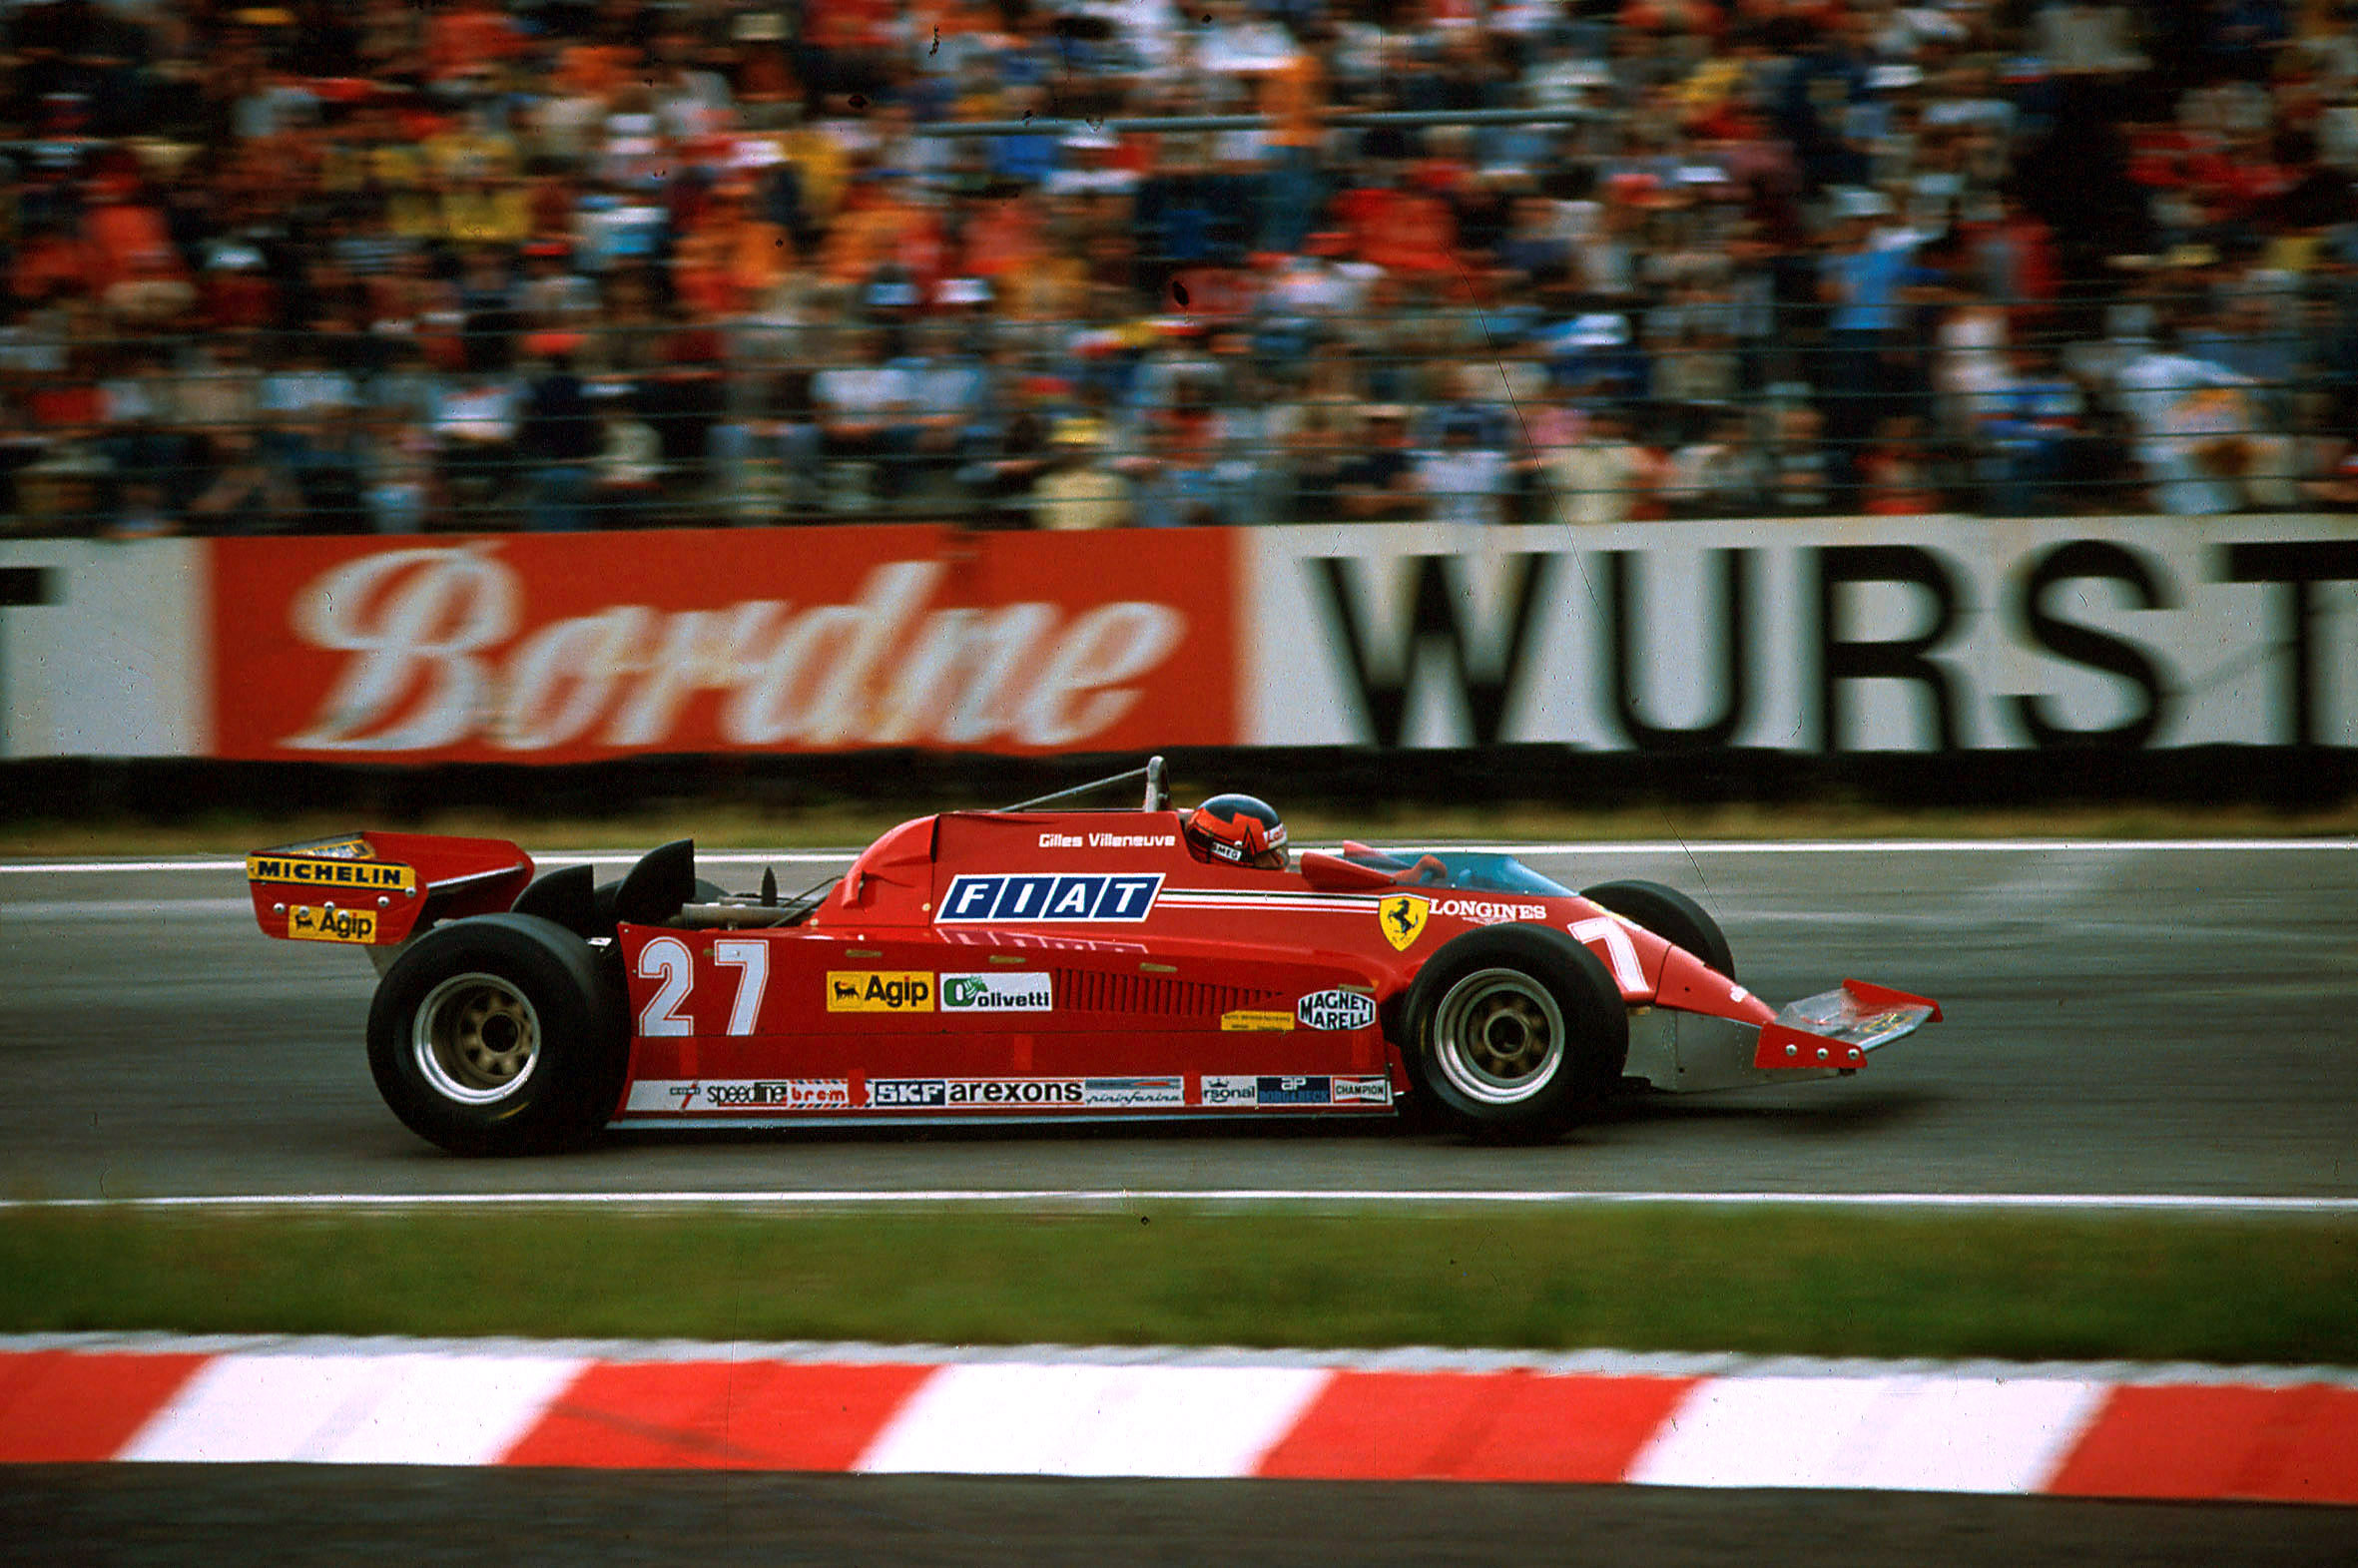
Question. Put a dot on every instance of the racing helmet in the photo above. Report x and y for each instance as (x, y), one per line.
(1239, 830)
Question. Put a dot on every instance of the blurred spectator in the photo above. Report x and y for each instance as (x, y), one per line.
(1379, 482)
(275, 267)
(1464, 478)
(1078, 491)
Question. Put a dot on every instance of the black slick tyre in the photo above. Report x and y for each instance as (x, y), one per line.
(499, 1035)
(1669, 915)
(1514, 1031)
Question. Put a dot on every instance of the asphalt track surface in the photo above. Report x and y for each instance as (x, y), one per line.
(2122, 1019)
(168, 1515)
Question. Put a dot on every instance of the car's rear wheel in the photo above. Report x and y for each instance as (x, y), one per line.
(1515, 1030)
(1669, 915)
(498, 1035)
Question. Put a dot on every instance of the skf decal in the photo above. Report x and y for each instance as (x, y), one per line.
(690, 1096)
(1334, 1010)
(1404, 916)
(1061, 898)
(307, 924)
(1244, 1021)
(878, 991)
(903, 1094)
(322, 872)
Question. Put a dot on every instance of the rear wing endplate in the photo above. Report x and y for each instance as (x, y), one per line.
(374, 889)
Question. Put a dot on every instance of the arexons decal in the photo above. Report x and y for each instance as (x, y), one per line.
(690, 1096)
(878, 991)
(904, 1094)
(1334, 1010)
(998, 993)
(1092, 896)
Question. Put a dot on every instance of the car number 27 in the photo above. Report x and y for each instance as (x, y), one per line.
(666, 958)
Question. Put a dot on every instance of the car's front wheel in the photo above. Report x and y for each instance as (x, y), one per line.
(498, 1035)
(1515, 1030)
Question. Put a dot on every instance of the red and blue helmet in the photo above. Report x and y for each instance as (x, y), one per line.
(1239, 830)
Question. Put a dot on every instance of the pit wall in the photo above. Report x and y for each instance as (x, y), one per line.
(1822, 638)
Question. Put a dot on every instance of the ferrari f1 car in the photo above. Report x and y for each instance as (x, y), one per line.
(1039, 963)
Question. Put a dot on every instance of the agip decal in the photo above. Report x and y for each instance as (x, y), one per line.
(878, 991)
(307, 924)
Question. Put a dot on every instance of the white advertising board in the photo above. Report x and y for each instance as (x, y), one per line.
(104, 655)
(1816, 635)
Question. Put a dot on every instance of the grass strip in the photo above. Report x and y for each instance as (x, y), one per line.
(1797, 1281)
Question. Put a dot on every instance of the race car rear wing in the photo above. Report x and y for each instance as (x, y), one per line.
(375, 889)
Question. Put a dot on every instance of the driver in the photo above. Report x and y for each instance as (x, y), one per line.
(1236, 828)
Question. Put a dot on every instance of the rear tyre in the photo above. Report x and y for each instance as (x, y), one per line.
(1514, 1031)
(1669, 915)
(498, 1035)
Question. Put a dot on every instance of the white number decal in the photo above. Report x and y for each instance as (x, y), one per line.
(667, 957)
(751, 960)
(1618, 948)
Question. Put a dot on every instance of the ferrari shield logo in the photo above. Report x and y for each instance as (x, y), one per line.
(1404, 918)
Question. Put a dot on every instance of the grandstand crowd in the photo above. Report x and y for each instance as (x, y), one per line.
(353, 265)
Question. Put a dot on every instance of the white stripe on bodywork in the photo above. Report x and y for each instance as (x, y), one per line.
(1048, 1419)
(355, 1410)
(1909, 1433)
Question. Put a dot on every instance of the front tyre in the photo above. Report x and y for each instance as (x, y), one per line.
(498, 1035)
(1515, 1030)
(1669, 915)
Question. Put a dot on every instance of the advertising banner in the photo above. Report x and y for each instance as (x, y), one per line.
(1834, 635)
(98, 647)
(583, 647)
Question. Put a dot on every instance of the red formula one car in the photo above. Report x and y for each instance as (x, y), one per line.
(1037, 964)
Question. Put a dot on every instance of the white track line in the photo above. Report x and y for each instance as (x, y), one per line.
(1116, 1196)
(1665, 846)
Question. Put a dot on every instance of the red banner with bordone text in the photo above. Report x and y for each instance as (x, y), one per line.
(558, 648)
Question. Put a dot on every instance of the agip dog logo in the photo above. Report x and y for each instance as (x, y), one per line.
(1404, 916)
